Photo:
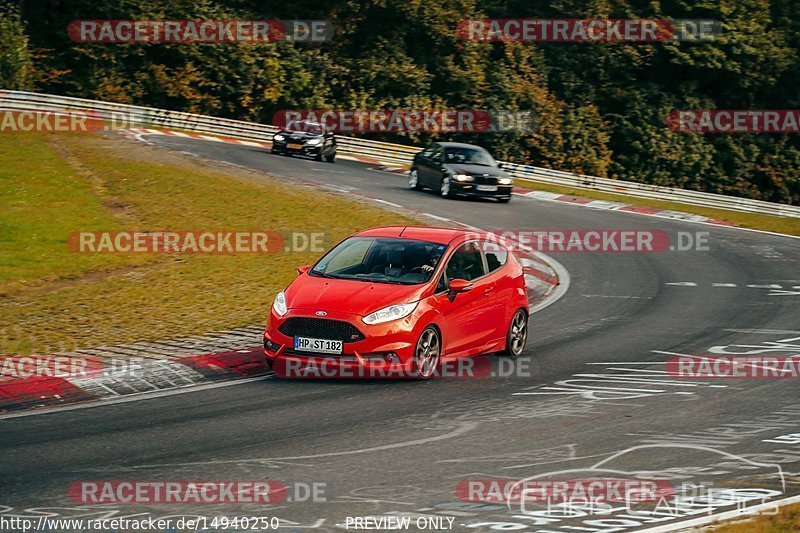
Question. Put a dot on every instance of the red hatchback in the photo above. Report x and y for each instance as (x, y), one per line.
(404, 299)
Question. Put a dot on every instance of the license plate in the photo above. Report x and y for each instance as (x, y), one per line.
(487, 188)
(295, 147)
(317, 345)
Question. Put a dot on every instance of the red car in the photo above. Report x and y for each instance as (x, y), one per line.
(408, 298)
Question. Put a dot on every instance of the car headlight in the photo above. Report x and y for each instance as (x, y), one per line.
(387, 314)
(278, 137)
(504, 181)
(463, 177)
(313, 142)
(280, 304)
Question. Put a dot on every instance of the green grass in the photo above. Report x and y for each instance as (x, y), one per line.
(54, 299)
(787, 225)
(43, 202)
(787, 520)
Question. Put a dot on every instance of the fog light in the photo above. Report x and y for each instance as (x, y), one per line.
(271, 346)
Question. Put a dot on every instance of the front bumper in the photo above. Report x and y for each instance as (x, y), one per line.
(386, 350)
(292, 148)
(471, 189)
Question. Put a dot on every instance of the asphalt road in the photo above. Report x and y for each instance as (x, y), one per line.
(591, 386)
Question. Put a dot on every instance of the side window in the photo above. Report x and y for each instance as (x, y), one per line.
(437, 153)
(496, 254)
(429, 150)
(466, 263)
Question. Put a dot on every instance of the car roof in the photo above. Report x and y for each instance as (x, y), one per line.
(460, 145)
(433, 234)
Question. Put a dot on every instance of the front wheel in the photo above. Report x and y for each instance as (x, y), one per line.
(427, 353)
(446, 189)
(517, 334)
(331, 158)
(413, 180)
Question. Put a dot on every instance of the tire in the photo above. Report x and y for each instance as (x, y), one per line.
(427, 353)
(517, 334)
(413, 180)
(319, 156)
(504, 200)
(445, 189)
(331, 158)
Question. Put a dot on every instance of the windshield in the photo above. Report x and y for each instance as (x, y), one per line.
(468, 156)
(305, 126)
(381, 260)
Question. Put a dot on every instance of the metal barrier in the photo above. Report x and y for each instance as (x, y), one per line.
(388, 153)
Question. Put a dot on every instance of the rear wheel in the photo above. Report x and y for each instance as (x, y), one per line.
(517, 334)
(427, 353)
(413, 180)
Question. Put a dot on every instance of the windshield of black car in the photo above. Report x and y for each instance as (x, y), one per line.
(468, 156)
(305, 127)
(381, 260)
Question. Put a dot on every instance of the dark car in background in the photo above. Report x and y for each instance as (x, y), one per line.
(459, 169)
(305, 138)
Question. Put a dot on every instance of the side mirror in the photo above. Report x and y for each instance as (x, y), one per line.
(459, 285)
(303, 269)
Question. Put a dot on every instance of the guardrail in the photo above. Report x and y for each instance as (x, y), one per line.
(385, 152)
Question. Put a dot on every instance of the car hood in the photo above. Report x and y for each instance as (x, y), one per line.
(476, 170)
(348, 296)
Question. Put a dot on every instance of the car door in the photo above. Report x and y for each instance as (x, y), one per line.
(465, 326)
(427, 169)
(502, 289)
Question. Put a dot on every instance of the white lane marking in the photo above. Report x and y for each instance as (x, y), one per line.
(252, 143)
(764, 331)
(436, 217)
(179, 134)
(727, 515)
(723, 285)
(682, 284)
(561, 288)
(614, 296)
(387, 203)
(134, 397)
(770, 286)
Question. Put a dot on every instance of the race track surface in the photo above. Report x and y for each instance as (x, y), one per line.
(591, 385)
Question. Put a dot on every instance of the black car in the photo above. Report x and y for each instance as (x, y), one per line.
(306, 138)
(459, 169)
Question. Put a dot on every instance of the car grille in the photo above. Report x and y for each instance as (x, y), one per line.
(485, 180)
(320, 328)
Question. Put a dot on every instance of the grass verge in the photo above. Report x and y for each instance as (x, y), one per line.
(52, 299)
(787, 225)
(785, 521)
